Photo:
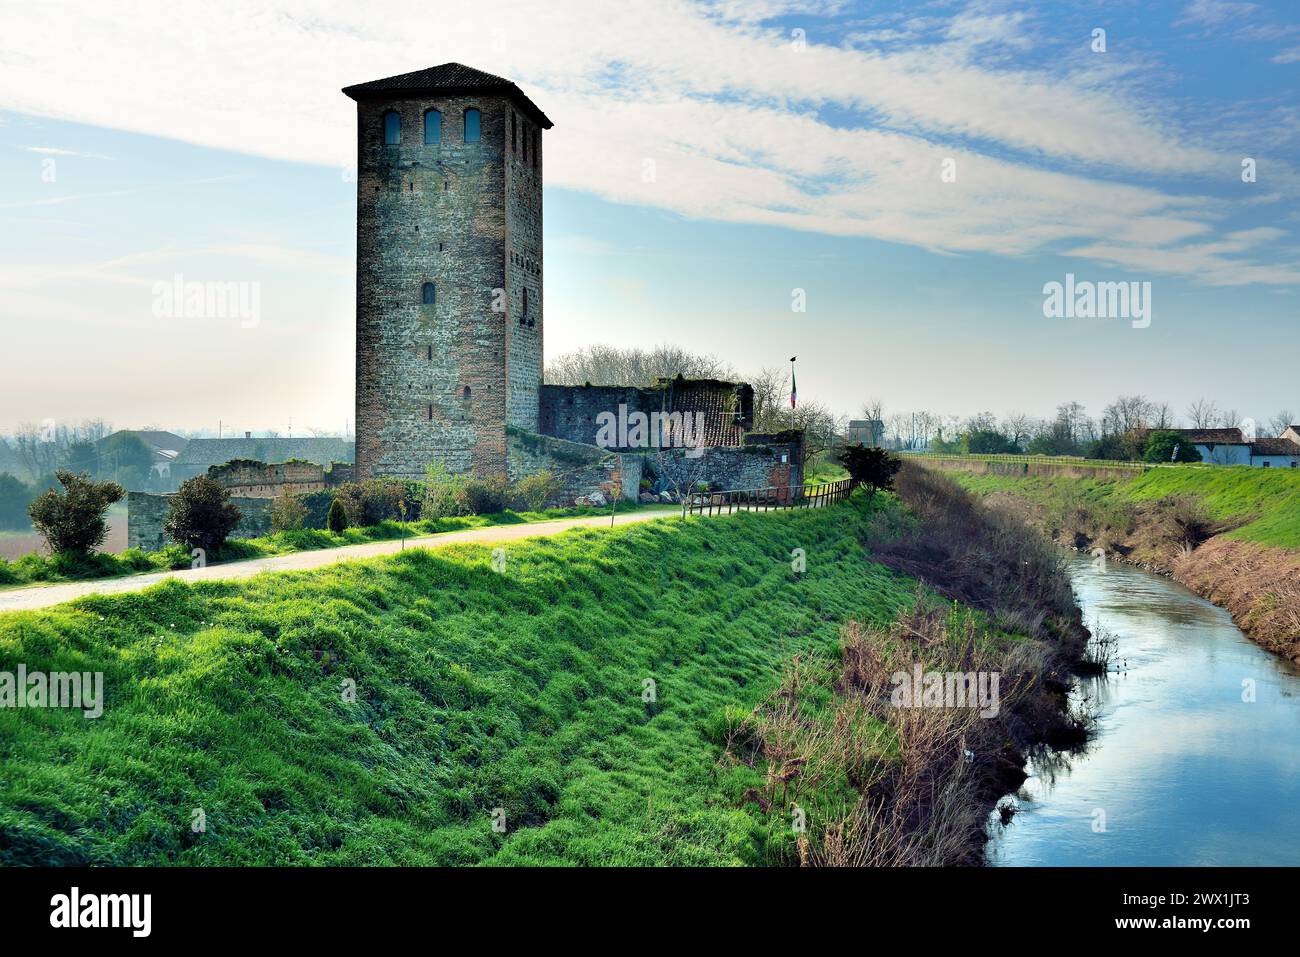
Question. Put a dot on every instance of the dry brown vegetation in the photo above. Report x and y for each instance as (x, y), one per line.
(981, 554)
(1257, 584)
(884, 785)
(1177, 536)
(888, 786)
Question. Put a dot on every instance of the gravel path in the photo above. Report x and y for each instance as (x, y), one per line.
(42, 596)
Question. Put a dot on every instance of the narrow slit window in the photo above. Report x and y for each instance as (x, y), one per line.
(525, 300)
(514, 132)
(431, 412)
(432, 128)
(472, 123)
(392, 128)
(464, 396)
(428, 294)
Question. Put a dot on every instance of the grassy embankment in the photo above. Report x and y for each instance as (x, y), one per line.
(35, 568)
(1232, 534)
(526, 690)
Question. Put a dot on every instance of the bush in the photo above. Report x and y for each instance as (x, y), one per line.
(288, 513)
(532, 492)
(875, 468)
(440, 493)
(482, 496)
(201, 515)
(73, 522)
(373, 501)
(1164, 446)
(336, 520)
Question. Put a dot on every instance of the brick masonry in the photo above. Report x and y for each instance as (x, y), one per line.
(439, 382)
(146, 513)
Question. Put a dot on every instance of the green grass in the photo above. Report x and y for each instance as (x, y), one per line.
(474, 690)
(824, 472)
(37, 569)
(1265, 503)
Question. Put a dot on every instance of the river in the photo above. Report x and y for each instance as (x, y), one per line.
(1181, 770)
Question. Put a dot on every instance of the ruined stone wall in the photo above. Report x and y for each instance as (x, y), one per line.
(727, 468)
(431, 379)
(570, 412)
(259, 480)
(146, 513)
(582, 468)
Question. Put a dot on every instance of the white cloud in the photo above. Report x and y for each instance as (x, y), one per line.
(733, 114)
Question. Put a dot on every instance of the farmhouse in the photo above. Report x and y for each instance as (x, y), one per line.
(1231, 447)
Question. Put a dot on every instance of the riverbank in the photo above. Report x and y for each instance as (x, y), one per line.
(618, 696)
(1230, 534)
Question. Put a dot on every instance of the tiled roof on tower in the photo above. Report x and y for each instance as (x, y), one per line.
(448, 78)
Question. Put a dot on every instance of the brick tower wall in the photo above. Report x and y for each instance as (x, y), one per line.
(439, 214)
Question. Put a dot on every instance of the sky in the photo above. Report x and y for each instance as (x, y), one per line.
(914, 173)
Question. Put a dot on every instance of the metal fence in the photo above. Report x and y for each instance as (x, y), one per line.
(765, 499)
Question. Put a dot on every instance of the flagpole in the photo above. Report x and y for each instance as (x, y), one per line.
(793, 392)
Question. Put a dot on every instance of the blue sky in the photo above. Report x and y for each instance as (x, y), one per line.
(213, 143)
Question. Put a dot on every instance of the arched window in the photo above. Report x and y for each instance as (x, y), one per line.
(428, 294)
(472, 117)
(432, 127)
(392, 128)
(464, 396)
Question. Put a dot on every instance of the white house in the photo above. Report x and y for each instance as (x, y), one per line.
(1279, 453)
(1230, 447)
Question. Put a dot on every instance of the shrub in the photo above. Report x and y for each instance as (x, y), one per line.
(1165, 446)
(336, 520)
(201, 515)
(73, 522)
(482, 496)
(372, 501)
(439, 493)
(532, 492)
(875, 468)
(287, 513)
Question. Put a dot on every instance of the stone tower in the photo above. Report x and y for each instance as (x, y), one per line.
(449, 270)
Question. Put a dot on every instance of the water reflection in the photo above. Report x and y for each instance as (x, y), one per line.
(1181, 770)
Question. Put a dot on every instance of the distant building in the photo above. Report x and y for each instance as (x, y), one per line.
(869, 432)
(165, 446)
(201, 454)
(1231, 447)
(1275, 453)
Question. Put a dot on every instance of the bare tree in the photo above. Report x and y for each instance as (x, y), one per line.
(1018, 427)
(1127, 413)
(1203, 414)
(1282, 421)
(609, 365)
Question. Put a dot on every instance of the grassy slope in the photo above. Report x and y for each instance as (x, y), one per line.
(34, 568)
(1265, 501)
(474, 690)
